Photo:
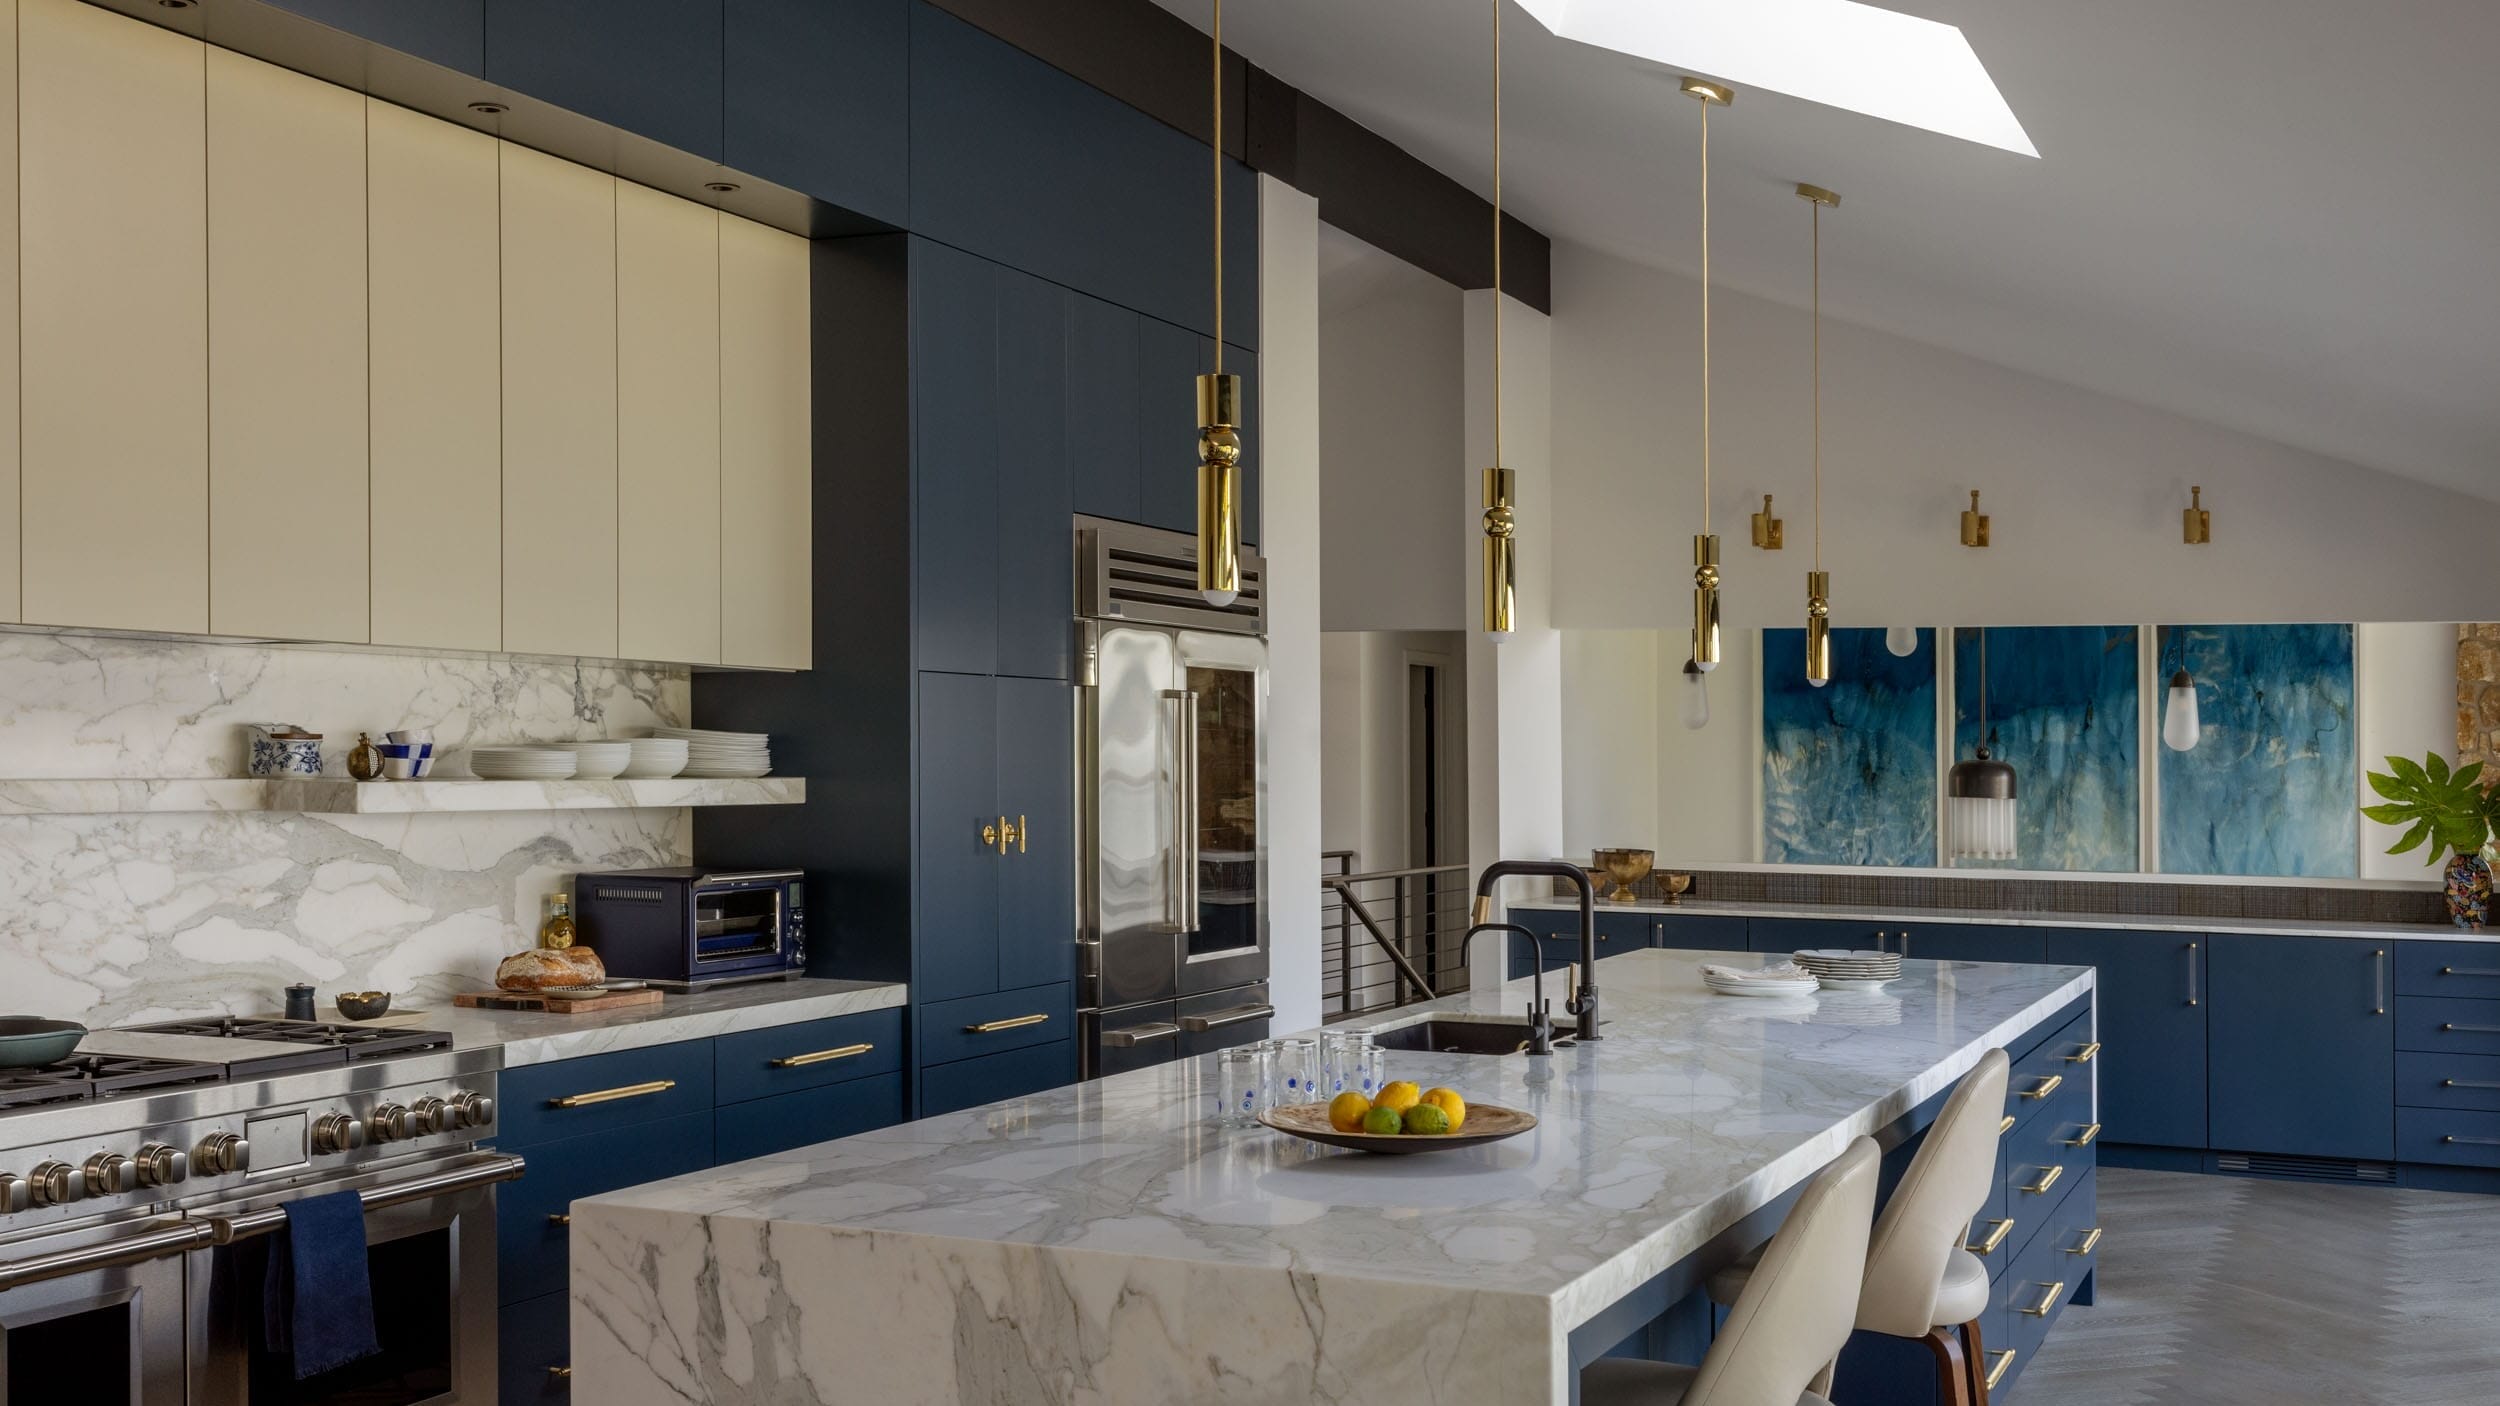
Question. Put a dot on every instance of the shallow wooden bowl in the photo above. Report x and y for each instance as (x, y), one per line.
(1486, 1122)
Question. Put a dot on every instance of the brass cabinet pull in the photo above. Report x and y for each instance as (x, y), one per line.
(2047, 1180)
(2470, 1029)
(2469, 1083)
(989, 836)
(2046, 1087)
(2378, 982)
(1987, 1243)
(1016, 835)
(656, 1086)
(2091, 1242)
(2084, 1138)
(992, 1027)
(2191, 956)
(560, 1373)
(2084, 1055)
(560, 1218)
(2469, 971)
(2004, 1363)
(2006, 1125)
(2475, 1141)
(800, 1061)
(2047, 1301)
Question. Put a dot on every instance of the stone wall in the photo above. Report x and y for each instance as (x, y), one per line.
(2478, 694)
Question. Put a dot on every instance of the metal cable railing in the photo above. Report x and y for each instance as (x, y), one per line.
(1392, 936)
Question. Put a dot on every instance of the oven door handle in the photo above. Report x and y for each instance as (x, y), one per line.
(1238, 1015)
(168, 1238)
(465, 1175)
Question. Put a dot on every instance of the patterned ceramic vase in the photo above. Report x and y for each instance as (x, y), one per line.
(2469, 889)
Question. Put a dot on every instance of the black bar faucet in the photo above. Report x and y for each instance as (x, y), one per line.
(1540, 1015)
(1583, 1002)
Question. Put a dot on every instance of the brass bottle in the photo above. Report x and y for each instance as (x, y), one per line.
(363, 762)
(557, 931)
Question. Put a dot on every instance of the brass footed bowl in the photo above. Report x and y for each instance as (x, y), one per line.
(1675, 886)
(1626, 867)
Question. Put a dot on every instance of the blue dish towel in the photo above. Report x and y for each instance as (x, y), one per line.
(317, 1302)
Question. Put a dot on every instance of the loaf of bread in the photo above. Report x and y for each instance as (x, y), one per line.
(542, 967)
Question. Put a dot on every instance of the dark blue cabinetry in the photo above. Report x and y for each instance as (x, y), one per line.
(1699, 932)
(994, 913)
(1797, 934)
(2150, 990)
(816, 98)
(1968, 942)
(652, 67)
(2302, 1046)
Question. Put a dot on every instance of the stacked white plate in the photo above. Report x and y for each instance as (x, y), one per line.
(1839, 969)
(1783, 980)
(597, 761)
(653, 758)
(521, 763)
(711, 753)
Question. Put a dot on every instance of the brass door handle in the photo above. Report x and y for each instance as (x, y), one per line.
(2047, 1301)
(656, 1086)
(2047, 1180)
(1987, 1244)
(992, 1027)
(2005, 1125)
(560, 1218)
(2046, 1087)
(2084, 1055)
(2091, 1242)
(2004, 1363)
(1015, 834)
(560, 1373)
(800, 1061)
(2084, 1138)
(989, 836)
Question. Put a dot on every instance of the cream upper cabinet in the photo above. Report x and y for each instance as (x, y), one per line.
(113, 322)
(436, 381)
(287, 515)
(766, 449)
(559, 406)
(8, 311)
(668, 384)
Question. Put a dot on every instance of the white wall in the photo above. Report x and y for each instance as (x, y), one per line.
(1289, 537)
(2405, 698)
(1364, 762)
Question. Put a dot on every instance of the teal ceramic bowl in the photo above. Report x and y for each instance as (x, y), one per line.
(30, 1042)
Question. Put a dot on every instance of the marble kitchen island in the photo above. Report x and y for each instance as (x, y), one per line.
(1105, 1243)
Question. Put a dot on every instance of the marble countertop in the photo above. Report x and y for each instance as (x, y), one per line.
(529, 1037)
(1107, 1241)
(1986, 917)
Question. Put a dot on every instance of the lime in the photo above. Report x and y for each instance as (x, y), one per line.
(1427, 1118)
(1383, 1122)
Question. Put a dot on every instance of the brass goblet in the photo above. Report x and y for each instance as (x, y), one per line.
(1626, 867)
(1675, 886)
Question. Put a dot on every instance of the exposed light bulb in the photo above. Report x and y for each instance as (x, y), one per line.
(1703, 668)
(1220, 599)
(2180, 727)
(1696, 696)
(1818, 683)
(1901, 640)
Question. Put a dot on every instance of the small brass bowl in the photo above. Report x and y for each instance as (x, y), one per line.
(1626, 867)
(1675, 886)
(363, 1005)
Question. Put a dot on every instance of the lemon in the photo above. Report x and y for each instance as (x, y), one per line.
(1448, 1101)
(1399, 1094)
(1383, 1121)
(1346, 1110)
(1428, 1118)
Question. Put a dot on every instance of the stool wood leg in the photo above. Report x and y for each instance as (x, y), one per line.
(1975, 1358)
(1952, 1372)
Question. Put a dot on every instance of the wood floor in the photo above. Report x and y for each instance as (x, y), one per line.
(2222, 1290)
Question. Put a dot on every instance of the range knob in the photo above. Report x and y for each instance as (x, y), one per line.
(13, 1194)
(337, 1132)
(53, 1184)
(472, 1110)
(221, 1153)
(162, 1165)
(390, 1122)
(111, 1174)
(428, 1115)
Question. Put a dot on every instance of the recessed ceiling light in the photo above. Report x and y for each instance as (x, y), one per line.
(720, 187)
(489, 109)
(1836, 52)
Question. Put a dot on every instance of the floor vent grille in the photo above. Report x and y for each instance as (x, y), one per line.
(2345, 1169)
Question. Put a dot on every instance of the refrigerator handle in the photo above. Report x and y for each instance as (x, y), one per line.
(1184, 887)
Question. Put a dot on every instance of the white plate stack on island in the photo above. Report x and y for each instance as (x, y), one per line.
(1842, 969)
(723, 754)
(1786, 979)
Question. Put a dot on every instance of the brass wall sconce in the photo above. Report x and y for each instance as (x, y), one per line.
(1974, 523)
(2199, 519)
(1769, 533)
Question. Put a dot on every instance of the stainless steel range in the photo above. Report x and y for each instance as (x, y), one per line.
(140, 1179)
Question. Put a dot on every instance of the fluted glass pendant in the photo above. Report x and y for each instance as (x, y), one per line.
(1696, 700)
(1979, 793)
(2180, 726)
(1902, 640)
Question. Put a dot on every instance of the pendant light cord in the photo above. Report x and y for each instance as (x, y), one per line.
(1497, 233)
(1218, 147)
(1705, 317)
(1983, 690)
(1818, 383)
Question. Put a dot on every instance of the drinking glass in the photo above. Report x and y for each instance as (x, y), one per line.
(1294, 1072)
(1241, 1081)
(1371, 1071)
(1341, 1056)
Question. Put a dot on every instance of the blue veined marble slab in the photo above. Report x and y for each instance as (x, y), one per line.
(2062, 702)
(2271, 787)
(1849, 770)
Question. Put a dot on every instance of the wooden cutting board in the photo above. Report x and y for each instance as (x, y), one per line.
(557, 1005)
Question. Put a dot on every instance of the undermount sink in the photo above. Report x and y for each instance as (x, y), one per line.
(1475, 1037)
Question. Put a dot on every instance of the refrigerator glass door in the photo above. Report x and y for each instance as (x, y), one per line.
(1223, 790)
(1133, 795)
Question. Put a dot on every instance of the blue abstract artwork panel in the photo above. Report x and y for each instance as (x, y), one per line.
(2271, 786)
(2062, 705)
(1849, 770)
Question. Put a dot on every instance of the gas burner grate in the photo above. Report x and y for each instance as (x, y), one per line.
(355, 1041)
(82, 1078)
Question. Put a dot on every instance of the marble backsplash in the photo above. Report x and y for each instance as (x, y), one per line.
(110, 919)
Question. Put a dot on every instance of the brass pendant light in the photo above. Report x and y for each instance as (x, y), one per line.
(1706, 542)
(1501, 520)
(1818, 581)
(1219, 407)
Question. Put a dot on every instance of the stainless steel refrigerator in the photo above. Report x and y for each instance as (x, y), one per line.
(1172, 791)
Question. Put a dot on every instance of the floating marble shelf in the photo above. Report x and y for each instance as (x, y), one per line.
(328, 796)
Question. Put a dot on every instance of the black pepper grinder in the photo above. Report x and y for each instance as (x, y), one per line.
(299, 1003)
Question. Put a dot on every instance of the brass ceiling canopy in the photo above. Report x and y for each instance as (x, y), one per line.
(1219, 405)
(1716, 94)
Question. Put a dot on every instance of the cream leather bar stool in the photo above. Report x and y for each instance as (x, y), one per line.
(1920, 1283)
(1778, 1345)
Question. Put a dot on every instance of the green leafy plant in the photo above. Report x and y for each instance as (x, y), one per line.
(2450, 810)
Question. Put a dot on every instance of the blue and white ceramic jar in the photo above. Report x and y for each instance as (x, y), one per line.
(283, 749)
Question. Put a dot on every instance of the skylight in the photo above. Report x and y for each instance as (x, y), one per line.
(1836, 52)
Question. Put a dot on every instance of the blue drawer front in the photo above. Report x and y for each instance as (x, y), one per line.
(530, 1249)
(2448, 1081)
(2046, 1154)
(2448, 969)
(749, 1064)
(2035, 1291)
(2052, 1058)
(1699, 932)
(971, 1082)
(2448, 1026)
(532, 1337)
(764, 1126)
(948, 1029)
(532, 1110)
(1794, 934)
(2459, 1138)
(1618, 931)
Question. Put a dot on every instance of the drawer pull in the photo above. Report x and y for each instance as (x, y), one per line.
(560, 1218)
(992, 1027)
(2475, 1141)
(2048, 1301)
(2084, 1138)
(561, 1374)
(2084, 1055)
(1987, 1244)
(1237, 1015)
(2091, 1242)
(801, 1061)
(2046, 1087)
(2469, 1083)
(2047, 1180)
(2469, 971)
(1996, 1371)
(655, 1086)
(1130, 1037)
(2005, 1125)
(2472, 1029)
